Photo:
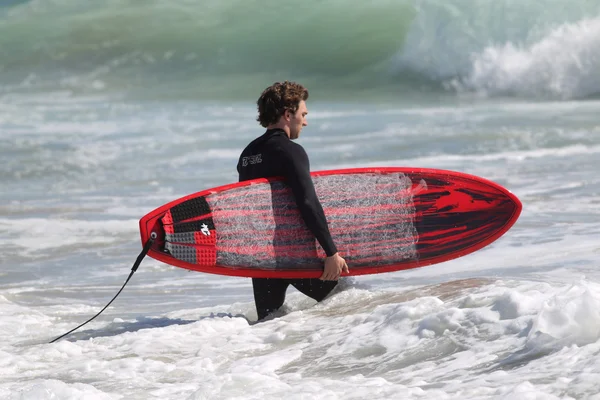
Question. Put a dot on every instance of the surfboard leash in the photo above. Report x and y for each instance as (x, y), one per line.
(137, 263)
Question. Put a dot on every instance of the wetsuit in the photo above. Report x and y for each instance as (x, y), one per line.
(274, 154)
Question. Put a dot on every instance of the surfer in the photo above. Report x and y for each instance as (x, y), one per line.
(282, 111)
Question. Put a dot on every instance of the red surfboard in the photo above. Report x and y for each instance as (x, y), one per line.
(381, 220)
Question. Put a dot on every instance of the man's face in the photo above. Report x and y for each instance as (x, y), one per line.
(298, 120)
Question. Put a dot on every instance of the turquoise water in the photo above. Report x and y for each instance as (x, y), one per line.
(111, 109)
(230, 49)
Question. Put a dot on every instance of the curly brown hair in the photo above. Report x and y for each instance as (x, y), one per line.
(277, 98)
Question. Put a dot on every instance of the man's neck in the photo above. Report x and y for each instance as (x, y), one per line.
(281, 126)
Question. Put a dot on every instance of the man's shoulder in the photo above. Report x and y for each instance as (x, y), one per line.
(274, 144)
(290, 145)
(281, 143)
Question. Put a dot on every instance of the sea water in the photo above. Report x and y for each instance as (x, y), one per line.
(110, 109)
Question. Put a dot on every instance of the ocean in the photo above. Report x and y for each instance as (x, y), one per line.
(110, 109)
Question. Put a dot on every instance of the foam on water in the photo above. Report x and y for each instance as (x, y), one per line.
(37, 235)
(360, 342)
(563, 64)
(517, 319)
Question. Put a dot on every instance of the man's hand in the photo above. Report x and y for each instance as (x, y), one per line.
(334, 266)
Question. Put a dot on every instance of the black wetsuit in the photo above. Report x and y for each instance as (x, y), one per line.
(274, 154)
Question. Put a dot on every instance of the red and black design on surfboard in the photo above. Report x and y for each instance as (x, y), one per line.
(381, 219)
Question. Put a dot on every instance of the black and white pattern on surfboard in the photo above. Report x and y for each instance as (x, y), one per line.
(194, 226)
(182, 252)
(192, 208)
(186, 237)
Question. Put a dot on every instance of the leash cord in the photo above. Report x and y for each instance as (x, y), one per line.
(133, 269)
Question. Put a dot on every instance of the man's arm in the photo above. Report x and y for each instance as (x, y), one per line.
(297, 174)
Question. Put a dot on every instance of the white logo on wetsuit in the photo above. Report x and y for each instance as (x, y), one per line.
(257, 159)
(204, 230)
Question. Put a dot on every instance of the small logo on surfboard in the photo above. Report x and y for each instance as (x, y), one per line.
(204, 230)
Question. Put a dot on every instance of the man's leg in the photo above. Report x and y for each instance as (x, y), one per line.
(269, 295)
(314, 287)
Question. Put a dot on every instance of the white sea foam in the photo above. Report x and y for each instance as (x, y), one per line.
(564, 64)
(38, 235)
(517, 319)
(359, 342)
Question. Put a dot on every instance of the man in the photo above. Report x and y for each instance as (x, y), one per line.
(282, 110)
